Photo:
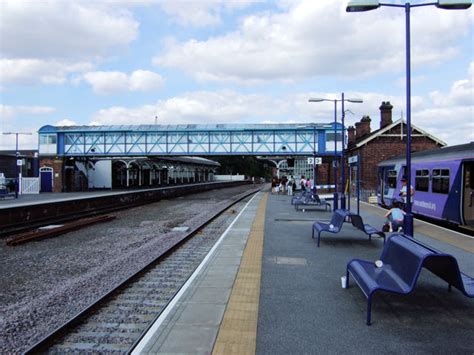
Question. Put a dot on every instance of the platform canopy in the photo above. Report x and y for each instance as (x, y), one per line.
(190, 140)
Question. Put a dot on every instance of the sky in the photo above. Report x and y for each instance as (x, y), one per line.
(103, 62)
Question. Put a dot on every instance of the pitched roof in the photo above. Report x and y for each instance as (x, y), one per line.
(379, 132)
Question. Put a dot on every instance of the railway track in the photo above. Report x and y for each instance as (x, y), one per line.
(21, 219)
(116, 321)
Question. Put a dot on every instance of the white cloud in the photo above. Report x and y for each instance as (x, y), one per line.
(201, 13)
(144, 80)
(318, 38)
(7, 112)
(64, 29)
(461, 92)
(25, 141)
(65, 122)
(31, 71)
(201, 106)
(108, 82)
(428, 113)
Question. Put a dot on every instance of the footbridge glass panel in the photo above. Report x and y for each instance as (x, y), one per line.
(191, 140)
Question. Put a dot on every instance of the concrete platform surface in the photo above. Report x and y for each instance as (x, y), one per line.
(268, 289)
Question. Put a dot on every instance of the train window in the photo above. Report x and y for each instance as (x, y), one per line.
(422, 180)
(440, 181)
(392, 179)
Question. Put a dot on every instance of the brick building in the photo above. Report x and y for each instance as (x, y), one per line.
(388, 141)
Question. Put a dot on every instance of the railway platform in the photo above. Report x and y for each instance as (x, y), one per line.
(267, 289)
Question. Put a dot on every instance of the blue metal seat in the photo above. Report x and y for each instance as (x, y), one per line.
(357, 222)
(335, 226)
(310, 200)
(297, 198)
(403, 257)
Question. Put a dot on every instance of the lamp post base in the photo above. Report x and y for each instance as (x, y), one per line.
(408, 225)
(335, 199)
(343, 201)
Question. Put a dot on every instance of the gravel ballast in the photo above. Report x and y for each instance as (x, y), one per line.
(45, 283)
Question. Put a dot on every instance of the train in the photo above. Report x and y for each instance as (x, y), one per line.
(443, 180)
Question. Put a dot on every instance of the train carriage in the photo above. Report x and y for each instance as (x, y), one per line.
(443, 180)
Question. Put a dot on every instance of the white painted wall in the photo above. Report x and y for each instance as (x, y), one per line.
(101, 176)
(229, 177)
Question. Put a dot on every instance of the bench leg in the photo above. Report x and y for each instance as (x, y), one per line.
(312, 234)
(319, 237)
(347, 278)
(449, 287)
(369, 309)
(370, 237)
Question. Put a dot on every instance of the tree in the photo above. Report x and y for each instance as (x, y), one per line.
(243, 165)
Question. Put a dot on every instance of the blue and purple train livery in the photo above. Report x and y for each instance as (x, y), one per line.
(443, 180)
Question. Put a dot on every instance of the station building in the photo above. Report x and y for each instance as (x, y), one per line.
(388, 141)
(68, 174)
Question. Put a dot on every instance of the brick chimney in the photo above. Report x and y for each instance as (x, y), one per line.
(385, 114)
(363, 127)
(350, 135)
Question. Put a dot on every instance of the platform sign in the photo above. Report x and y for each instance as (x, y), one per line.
(311, 161)
(19, 162)
(352, 159)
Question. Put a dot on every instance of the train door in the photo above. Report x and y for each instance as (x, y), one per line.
(387, 184)
(468, 193)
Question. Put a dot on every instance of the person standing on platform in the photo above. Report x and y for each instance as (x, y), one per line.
(403, 192)
(302, 183)
(289, 186)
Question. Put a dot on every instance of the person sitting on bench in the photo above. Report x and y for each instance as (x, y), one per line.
(395, 217)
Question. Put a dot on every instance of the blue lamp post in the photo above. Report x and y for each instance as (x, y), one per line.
(367, 5)
(343, 199)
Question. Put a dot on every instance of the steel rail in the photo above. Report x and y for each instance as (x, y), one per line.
(22, 226)
(39, 234)
(49, 340)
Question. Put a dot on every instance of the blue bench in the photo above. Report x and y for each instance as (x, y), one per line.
(335, 226)
(403, 257)
(295, 199)
(311, 200)
(357, 222)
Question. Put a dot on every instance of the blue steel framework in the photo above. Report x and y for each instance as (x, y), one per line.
(189, 140)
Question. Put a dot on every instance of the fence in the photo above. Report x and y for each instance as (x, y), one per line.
(366, 195)
(30, 185)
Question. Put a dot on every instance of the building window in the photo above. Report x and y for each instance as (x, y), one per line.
(392, 179)
(422, 180)
(330, 136)
(440, 181)
(47, 139)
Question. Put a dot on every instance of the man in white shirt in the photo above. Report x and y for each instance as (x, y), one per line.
(403, 191)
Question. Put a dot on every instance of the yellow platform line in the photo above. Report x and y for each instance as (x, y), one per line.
(238, 330)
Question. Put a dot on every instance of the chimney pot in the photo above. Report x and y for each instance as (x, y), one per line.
(351, 135)
(385, 114)
(363, 127)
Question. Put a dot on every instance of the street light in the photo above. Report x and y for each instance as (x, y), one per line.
(17, 154)
(343, 198)
(358, 6)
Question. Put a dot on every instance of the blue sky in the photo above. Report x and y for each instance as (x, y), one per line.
(118, 62)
